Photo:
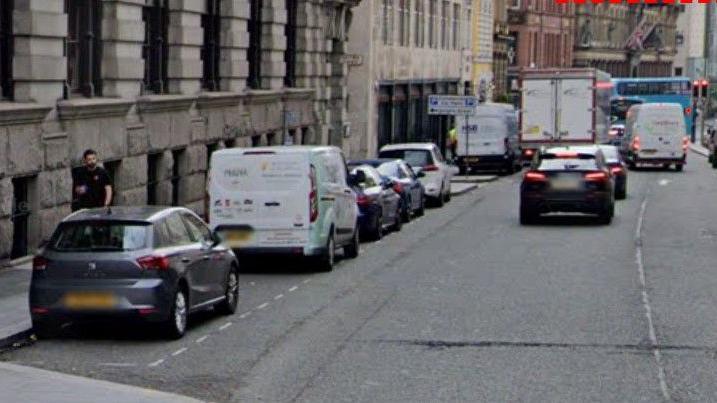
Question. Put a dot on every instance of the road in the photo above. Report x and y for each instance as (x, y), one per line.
(462, 305)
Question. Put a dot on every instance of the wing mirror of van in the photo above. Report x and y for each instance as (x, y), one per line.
(356, 178)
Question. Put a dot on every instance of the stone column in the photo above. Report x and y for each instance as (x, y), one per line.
(185, 43)
(39, 64)
(234, 67)
(273, 44)
(122, 38)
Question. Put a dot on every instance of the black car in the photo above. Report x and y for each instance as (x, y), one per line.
(379, 205)
(618, 169)
(156, 264)
(572, 180)
(405, 182)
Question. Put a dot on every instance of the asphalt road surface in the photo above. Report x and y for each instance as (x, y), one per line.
(462, 305)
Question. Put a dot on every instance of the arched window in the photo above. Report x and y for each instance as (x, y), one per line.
(211, 23)
(155, 49)
(6, 49)
(83, 47)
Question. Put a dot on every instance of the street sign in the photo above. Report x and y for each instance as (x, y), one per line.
(452, 105)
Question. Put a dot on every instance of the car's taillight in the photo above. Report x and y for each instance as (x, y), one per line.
(397, 187)
(39, 263)
(313, 196)
(613, 132)
(363, 200)
(685, 144)
(430, 168)
(535, 177)
(688, 111)
(636, 143)
(616, 170)
(154, 262)
(596, 177)
(528, 153)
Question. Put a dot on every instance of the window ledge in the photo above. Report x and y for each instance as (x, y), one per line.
(299, 93)
(16, 113)
(264, 96)
(219, 99)
(86, 108)
(164, 103)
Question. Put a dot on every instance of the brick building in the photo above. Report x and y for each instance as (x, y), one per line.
(155, 86)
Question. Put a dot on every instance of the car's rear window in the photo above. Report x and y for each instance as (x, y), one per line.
(567, 164)
(415, 158)
(389, 169)
(94, 236)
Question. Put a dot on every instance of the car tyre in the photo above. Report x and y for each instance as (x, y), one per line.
(398, 222)
(422, 209)
(606, 216)
(406, 210)
(327, 259)
(377, 230)
(621, 194)
(631, 165)
(440, 201)
(45, 329)
(714, 161)
(351, 250)
(679, 167)
(231, 293)
(176, 325)
(527, 216)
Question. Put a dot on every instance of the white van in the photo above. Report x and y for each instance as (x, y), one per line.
(488, 139)
(292, 200)
(655, 134)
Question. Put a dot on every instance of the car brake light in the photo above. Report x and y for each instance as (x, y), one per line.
(567, 154)
(363, 200)
(154, 262)
(313, 196)
(535, 177)
(636, 143)
(613, 132)
(430, 168)
(596, 177)
(685, 144)
(528, 153)
(688, 111)
(616, 170)
(397, 187)
(39, 310)
(39, 263)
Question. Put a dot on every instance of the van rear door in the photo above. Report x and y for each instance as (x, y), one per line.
(265, 194)
(661, 131)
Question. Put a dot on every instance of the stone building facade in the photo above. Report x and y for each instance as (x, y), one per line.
(502, 42)
(627, 40)
(482, 28)
(155, 86)
(401, 52)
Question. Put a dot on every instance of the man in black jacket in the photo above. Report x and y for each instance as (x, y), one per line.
(92, 185)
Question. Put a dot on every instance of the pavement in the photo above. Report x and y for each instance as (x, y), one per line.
(463, 304)
(14, 310)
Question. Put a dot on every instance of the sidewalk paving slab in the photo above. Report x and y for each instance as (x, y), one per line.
(15, 322)
(474, 178)
(29, 385)
(458, 189)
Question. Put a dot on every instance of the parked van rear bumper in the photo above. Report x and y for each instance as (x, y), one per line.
(636, 159)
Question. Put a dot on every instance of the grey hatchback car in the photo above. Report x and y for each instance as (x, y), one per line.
(157, 264)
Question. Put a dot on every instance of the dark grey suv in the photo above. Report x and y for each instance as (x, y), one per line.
(153, 263)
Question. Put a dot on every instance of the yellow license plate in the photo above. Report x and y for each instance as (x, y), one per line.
(648, 151)
(90, 300)
(472, 159)
(238, 236)
(565, 185)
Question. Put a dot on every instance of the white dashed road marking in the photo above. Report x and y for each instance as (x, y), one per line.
(180, 351)
(201, 339)
(262, 306)
(294, 288)
(306, 281)
(156, 363)
(664, 182)
(278, 297)
(646, 304)
(244, 315)
(224, 326)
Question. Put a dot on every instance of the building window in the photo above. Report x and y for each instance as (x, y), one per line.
(444, 25)
(153, 164)
(404, 28)
(155, 50)
(305, 136)
(255, 141)
(678, 71)
(83, 47)
(418, 6)
(21, 212)
(432, 9)
(6, 49)
(254, 56)
(387, 32)
(177, 162)
(456, 26)
(211, 24)
(230, 143)
(290, 53)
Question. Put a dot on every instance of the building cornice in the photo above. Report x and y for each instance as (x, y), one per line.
(17, 113)
(164, 103)
(298, 94)
(219, 99)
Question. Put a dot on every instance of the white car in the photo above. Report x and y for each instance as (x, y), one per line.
(426, 158)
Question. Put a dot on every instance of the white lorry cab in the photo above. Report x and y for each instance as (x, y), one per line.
(293, 200)
(655, 134)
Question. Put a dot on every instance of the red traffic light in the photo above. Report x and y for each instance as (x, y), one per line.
(704, 83)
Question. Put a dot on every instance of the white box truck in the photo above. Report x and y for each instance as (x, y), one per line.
(563, 107)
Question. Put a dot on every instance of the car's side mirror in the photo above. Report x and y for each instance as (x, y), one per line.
(421, 174)
(44, 243)
(216, 239)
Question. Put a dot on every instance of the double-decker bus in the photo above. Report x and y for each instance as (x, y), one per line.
(654, 90)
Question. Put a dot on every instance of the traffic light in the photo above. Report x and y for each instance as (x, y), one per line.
(699, 88)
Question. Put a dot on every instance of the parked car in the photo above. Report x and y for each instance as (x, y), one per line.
(655, 134)
(290, 200)
(568, 180)
(379, 205)
(426, 158)
(405, 182)
(618, 169)
(157, 264)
